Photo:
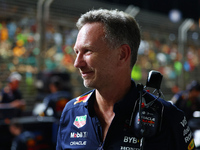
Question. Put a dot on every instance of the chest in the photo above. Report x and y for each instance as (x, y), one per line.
(85, 132)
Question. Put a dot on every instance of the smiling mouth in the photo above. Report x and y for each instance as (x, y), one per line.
(86, 73)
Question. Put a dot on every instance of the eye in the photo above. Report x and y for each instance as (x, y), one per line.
(87, 51)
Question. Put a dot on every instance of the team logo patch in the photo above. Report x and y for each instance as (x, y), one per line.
(191, 145)
(82, 98)
(80, 121)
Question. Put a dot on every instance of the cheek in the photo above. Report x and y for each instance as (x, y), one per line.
(103, 61)
(93, 61)
(107, 67)
(111, 62)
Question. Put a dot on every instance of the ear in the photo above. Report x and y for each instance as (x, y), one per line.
(125, 53)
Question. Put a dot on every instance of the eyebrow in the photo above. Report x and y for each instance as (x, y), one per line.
(86, 46)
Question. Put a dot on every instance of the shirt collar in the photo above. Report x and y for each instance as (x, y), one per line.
(124, 106)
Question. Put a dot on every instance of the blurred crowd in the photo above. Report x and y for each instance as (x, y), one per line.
(163, 55)
(19, 43)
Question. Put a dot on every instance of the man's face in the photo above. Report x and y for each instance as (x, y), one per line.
(14, 84)
(95, 61)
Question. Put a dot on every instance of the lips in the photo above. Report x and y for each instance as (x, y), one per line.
(86, 73)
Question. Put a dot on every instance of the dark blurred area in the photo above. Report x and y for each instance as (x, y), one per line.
(37, 39)
(44, 80)
(165, 6)
(189, 99)
(36, 129)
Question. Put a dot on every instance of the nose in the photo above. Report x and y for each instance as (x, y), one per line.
(79, 61)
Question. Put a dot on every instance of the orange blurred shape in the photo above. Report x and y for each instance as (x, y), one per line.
(7, 121)
(39, 138)
(61, 104)
(31, 143)
(4, 34)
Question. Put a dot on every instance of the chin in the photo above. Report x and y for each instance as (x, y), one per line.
(88, 84)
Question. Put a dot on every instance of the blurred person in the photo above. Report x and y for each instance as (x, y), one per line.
(10, 96)
(4, 32)
(12, 26)
(23, 140)
(19, 50)
(106, 51)
(31, 44)
(54, 103)
(58, 97)
(188, 100)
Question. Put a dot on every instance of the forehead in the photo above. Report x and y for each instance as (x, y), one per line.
(92, 28)
(90, 34)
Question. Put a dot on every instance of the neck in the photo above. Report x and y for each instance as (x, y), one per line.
(109, 95)
(105, 100)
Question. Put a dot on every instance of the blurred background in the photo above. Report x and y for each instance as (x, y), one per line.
(37, 38)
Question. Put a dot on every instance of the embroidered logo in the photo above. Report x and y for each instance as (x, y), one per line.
(80, 121)
(82, 98)
(191, 145)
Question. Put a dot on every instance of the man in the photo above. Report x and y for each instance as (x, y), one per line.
(11, 97)
(58, 98)
(23, 140)
(188, 100)
(106, 49)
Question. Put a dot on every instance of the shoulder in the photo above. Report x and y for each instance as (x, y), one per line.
(170, 111)
(174, 116)
(47, 98)
(179, 96)
(17, 92)
(58, 95)
(64, 94)
(80, 101)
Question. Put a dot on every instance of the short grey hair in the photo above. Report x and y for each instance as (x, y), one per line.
(119, 27)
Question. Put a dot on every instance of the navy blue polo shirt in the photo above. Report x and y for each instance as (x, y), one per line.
(80, 128)
(10, 96)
